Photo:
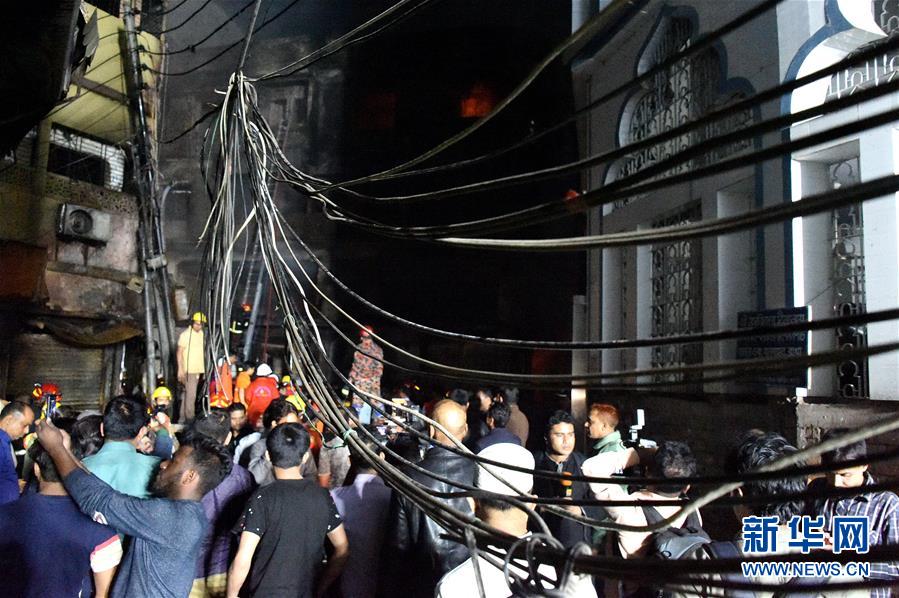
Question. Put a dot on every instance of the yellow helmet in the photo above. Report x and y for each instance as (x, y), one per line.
(285, 379)
(162, 392)
(198, 317)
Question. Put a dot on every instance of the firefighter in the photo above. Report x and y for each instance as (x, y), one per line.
(161, 401)
(291, 394)
(262, 391)
(191, 364)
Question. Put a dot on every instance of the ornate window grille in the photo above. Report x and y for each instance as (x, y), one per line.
(849, 282)
(886, 13)
(682, 93)
(677, 294)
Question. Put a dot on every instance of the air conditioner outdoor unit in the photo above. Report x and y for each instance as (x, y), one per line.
(77, 223)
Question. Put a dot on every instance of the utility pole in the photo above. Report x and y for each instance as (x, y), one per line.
(143, 175)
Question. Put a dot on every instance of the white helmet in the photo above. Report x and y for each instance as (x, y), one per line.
(263, 370)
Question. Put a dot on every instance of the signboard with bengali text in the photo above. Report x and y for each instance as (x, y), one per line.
(789, 344)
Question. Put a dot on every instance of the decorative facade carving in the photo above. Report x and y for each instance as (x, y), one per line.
(682, 93)
(849, 282)
(676, 283)
(875, 71)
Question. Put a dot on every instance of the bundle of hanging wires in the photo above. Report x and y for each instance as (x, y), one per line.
(242, 162)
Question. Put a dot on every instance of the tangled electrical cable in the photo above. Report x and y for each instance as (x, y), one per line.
(242, 161)
(226, 49)
(194, 45)
(645, 180)
(185, 21)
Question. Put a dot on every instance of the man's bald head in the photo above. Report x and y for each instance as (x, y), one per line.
(451, 415)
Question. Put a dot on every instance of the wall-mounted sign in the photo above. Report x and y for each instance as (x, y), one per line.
(788, 344)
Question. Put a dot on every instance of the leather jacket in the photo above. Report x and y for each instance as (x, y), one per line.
(417, 556)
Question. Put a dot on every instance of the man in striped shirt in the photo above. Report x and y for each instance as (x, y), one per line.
(881, 508)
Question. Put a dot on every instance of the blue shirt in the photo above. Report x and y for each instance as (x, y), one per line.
(49, 544)
(882, 511)
(121, 466)
(364, 507)
(9, 481)
(166, 536)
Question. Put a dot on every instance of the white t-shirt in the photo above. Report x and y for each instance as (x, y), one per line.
(461, 581)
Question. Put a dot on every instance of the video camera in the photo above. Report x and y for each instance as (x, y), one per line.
(634, 440)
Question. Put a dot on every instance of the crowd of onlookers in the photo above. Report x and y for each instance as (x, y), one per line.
(243, 501)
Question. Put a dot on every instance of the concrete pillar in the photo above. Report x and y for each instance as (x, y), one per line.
(579, 365)
(43, 224)
(817, 253)
(736, 266)
(612, 326)
(644, 305)
(878, 157)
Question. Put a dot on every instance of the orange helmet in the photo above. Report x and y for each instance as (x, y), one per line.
(42, 389)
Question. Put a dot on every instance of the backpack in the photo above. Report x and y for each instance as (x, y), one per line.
(690, 542)
(676, 542)
(790, 589)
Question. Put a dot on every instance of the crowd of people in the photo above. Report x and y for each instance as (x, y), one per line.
(125, 503)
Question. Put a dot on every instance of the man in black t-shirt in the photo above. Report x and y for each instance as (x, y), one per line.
(560, 457)
(284, 528)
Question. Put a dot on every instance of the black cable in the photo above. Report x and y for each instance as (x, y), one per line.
(693, 337)
(557, 209)
(816, 360)
(246, 46)
(346, 40)
(185, 21)
(687, 128)
(299, 346)
(587, 380)
(811, 204)
(790, 472)
(724, 501)
(310, 61)
(747, 366)
(586, 32)
(624, 188)
(168, 10)
(228, 48)
(870, 51)
(192, 47)
(843, 353)
(195, 124)
(693, 480)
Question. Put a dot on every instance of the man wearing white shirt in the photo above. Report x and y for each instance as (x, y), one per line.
(462, 581)
(673, 460)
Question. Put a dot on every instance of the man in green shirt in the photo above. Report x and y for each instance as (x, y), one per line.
(118, 463)
(602, 422)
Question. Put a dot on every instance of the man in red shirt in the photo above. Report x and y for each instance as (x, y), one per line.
(262, 391)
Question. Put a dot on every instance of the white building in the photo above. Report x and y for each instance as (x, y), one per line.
(838, 262)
